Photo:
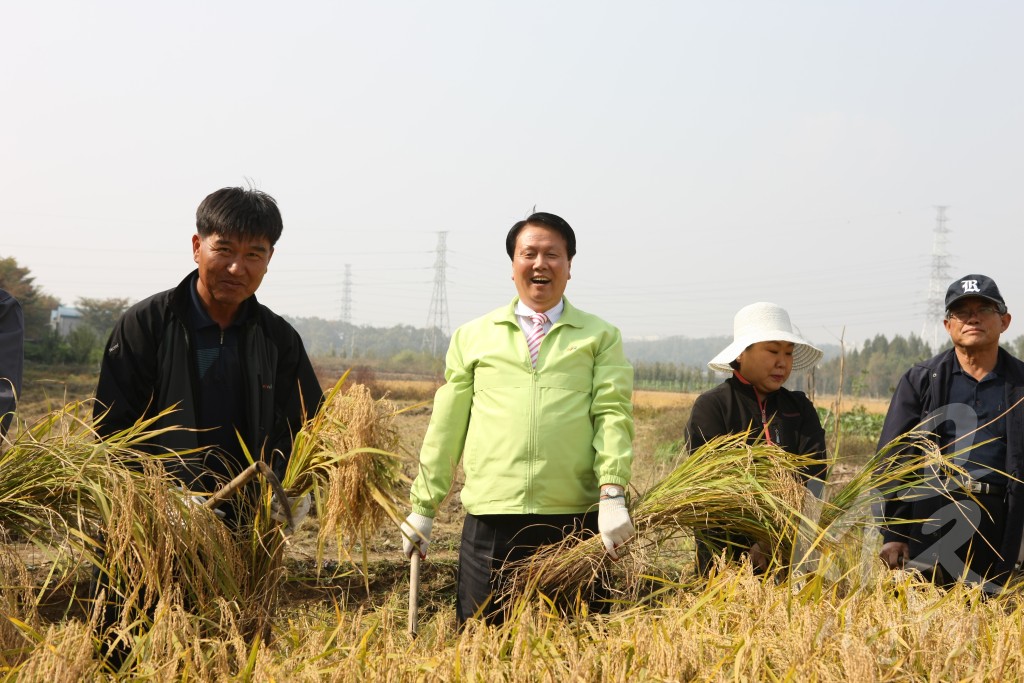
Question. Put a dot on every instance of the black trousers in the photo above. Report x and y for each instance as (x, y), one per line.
(966, 545)
(709, 544)
(489, 542)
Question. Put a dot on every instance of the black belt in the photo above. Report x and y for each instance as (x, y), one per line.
(981, 488)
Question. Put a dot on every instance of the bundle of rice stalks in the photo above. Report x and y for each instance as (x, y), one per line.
(17, 606)
(348, 451)
(726, 483)
(842, 530)
(107, 505)
(58, 478)
(751, 490)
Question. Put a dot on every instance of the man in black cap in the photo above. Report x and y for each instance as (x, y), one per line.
(970, 402)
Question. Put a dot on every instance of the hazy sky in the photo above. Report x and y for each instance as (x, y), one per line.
(708, 154)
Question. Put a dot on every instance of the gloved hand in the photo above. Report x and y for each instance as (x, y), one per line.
(613, 520)
(194, 500)
(299, 507)
(416, 533)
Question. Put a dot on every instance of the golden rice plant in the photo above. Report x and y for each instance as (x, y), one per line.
(890, 626)
(752, 490)
(346, 455)
(17, 604)
(108, 504)
(840, 533)
(726, 483)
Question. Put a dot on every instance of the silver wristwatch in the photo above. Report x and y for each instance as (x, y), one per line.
(612, 492)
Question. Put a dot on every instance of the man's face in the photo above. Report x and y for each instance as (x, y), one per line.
(540, 267)
(230, 268)
(974, 324)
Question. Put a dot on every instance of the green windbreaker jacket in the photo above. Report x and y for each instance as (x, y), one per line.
(531, 441)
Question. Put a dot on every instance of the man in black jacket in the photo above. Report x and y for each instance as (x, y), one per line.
(968, 400)
(227, 363)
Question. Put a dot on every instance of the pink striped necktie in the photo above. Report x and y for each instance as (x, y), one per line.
(536, 336)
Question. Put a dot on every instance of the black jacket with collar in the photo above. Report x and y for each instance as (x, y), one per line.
(924, 388)
(732, 407)
(149, 365)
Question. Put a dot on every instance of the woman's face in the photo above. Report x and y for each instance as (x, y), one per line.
(767, 365)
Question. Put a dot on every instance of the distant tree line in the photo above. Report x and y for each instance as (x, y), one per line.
(680, 350)
(874, 369)
(870, 371)
(663, 376)
(671, 364)
(83, 345)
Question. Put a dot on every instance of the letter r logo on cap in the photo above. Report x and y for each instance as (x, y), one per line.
(970, 285)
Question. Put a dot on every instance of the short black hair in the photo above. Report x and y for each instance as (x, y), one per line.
(735, 362)
(239, 211)
(545, 220)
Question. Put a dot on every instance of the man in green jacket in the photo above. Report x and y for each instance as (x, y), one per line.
(537, 406)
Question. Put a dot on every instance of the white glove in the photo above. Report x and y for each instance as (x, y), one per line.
(194, 500)
(613, 520)
(416, 533)
(299, 507)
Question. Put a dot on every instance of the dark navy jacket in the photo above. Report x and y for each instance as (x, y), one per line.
(924, 388)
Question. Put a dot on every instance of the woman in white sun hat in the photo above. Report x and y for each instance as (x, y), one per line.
(763, 353)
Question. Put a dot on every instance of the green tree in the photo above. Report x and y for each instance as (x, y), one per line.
(35, 304)
(82, 345)
(1016, 347)
(101, 314)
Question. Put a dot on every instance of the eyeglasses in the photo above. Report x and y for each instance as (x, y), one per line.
(962, 315)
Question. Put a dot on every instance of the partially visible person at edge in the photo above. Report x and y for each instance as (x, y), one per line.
(210, 348)
(12, 357)
(967, 398)
(764, 352)
(545, 440)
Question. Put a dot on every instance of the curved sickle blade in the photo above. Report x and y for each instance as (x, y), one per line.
(243, 477)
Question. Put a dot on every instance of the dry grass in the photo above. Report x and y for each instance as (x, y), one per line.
(657, 400)
(669, 399)
(849, 619)
(874, 406)
(733, 627)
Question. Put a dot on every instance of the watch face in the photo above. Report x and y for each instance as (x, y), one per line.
(613, 491)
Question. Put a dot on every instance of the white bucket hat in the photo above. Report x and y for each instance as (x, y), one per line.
(764, 322)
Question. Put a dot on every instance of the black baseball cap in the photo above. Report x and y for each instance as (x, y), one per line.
(974, 285)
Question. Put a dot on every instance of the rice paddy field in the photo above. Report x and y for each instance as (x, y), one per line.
(329, 600)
